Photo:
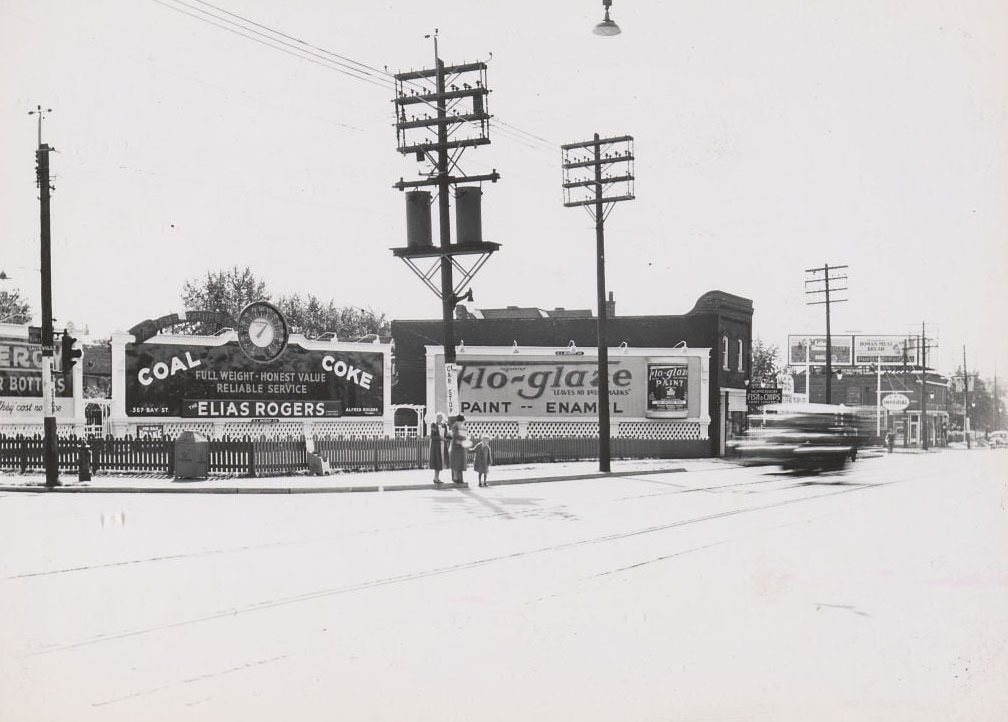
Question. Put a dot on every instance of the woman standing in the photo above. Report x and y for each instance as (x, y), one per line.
(438, 446)
(459, 444)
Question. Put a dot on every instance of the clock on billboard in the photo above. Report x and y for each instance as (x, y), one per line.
(262, 331)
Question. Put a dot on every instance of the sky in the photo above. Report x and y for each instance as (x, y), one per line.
(770, 138)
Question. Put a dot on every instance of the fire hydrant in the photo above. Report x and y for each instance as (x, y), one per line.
(83, 461)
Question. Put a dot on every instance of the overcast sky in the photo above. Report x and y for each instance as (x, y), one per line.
(770, 137)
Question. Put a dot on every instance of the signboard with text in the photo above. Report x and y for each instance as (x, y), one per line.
(562, 386)
(887, 350)
(852, 350)
(668, 389)
(21, 382)
(195, 381)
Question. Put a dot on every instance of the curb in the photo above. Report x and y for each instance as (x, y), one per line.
(42, 489)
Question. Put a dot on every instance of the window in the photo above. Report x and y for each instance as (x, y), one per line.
(724, 353)
(741, 356)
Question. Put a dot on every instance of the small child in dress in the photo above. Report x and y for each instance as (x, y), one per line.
(482, 459)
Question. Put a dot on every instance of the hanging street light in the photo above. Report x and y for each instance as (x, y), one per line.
(607, 27)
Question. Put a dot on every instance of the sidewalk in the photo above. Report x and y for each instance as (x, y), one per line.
(380, 481)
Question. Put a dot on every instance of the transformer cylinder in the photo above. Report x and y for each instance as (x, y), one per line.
(468, 216)
(418, 219)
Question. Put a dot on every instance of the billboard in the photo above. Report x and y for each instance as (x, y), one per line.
(852, 350)
(812, 350)
(668, 389)
(886, 350)
(562, 386)
(21, 382)
(200, 381)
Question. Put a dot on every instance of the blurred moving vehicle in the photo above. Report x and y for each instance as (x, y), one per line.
(998, 439)
(804, 437)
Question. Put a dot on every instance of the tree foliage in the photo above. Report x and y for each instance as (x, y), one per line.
(313, 317)
(14, 308)
(226, 291)
(765, 360)
(230, 290)
(986, 412)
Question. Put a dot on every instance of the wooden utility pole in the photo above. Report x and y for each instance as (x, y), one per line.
(460, 120)
(966, 424)
(611, 163)
(820, 284)
(50, 443)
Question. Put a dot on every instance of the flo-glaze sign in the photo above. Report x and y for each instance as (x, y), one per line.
(567, 386)
(221, 382)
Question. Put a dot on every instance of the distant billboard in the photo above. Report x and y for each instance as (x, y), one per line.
(812, 350)
(886, 350)
(856, 350)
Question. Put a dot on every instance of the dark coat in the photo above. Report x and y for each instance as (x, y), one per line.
(438, 446)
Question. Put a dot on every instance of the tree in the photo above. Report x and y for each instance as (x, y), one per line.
(14, 308)
(765, 357)
(230, 290)
(226, 291)
(986, 412)
(312, 317)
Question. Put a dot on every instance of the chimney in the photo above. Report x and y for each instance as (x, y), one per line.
(610, 306)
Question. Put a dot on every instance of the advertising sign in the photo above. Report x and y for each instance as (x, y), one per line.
(756, 397)
(667, 389)
(454, 408)
(21, 382)
(891, 350)
(812, 350)
(196, 381)
(895, 402)
(549, 387)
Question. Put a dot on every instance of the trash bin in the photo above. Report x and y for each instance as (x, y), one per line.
(192, 456)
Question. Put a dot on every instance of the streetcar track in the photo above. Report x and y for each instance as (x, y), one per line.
(496, 512)
(279, 602)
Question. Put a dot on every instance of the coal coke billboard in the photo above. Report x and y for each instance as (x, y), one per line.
(200, 381)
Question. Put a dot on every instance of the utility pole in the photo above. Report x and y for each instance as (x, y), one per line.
(820, 284)
(924, 391)
(457, 95)
(50, 443)
(611, 162)
(966, 424)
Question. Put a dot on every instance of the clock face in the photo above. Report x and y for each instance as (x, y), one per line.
(262, 331)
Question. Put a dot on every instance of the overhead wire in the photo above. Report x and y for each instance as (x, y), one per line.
(278, 40)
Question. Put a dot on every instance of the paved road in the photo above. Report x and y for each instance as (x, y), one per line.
(717, 594)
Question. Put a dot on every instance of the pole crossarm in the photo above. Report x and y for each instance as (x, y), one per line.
(591, 183)
(609, 199)
(596, 141)
(433, 72)
(428, 146)
(404, 184)
(606, 160)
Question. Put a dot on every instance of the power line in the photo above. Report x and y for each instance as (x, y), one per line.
(277, 40)
(274, 43)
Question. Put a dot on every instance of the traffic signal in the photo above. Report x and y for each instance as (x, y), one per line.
(69, 353)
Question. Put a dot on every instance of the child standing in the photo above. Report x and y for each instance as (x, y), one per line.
(482, 459)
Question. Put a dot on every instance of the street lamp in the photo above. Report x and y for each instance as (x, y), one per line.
(607, 28)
